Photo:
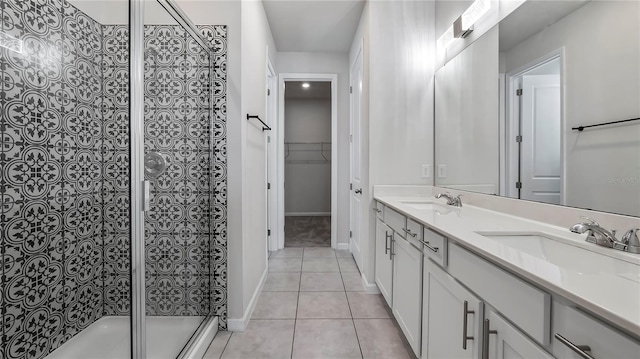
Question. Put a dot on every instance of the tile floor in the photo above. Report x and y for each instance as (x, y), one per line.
(313, 305)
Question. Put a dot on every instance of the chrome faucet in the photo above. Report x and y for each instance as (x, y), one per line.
(596, 234)
(451, 200)
(631, 241)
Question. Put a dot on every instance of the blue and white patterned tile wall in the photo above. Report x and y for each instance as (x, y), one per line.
(64, 184)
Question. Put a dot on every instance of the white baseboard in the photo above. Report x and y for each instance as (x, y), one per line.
(240, 324)
(342, 246)
(307, 214)
(369, 287)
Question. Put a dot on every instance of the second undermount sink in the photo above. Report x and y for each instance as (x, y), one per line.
(425, 205)
(561, 253)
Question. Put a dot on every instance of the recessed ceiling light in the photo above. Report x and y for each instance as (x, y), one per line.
(305, 85)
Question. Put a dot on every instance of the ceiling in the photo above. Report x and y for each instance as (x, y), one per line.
(316, 90)
(313, 25)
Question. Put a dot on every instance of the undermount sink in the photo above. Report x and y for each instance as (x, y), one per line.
(559, 252)
(425, 205)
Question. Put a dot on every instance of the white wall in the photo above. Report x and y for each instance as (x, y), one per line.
(256, 39)
(330, 63)
(601, 43)
(307, 177)
(399, 120)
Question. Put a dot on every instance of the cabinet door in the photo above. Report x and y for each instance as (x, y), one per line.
(445, 318)
(504, 341)
(384, 262)
(407, 290)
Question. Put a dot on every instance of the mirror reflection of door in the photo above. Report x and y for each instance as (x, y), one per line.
(540, 165)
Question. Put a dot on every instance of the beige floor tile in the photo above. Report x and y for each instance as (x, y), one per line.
(321, 282)
(352, 282)
(320, 305)
(325, 338)
(276, 305)
(290, 252)
(365, 305)
(347, 265)
(381, 338)
(342, 253)
(282, 282)
(319, 253)
(320, 265)
(262, 339)
(217, 345)
(285, 264)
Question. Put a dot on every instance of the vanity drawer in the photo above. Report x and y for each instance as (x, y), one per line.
(379, 209)
(525, 305)
(414, 232)
(396, 221)
(435, 246)
(571, 326)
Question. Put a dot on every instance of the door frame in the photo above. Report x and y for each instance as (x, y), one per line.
(317, 77)
(273, 219)
(511, 124)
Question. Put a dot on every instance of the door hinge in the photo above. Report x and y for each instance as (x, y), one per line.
(350, 89)
(350, 186)
(268, 185)
(350, 138)
(518, 185)
(268, 92)
(519, 138)
(268, 139)
(519, 92)
(268, 232)
(350, 234)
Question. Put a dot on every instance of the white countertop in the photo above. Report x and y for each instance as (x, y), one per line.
(611, 291)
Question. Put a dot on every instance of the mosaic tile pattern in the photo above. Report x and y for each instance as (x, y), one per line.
(50, 187)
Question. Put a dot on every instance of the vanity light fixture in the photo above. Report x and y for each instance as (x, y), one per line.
(11, 43)
(463, 25)
(305, 85)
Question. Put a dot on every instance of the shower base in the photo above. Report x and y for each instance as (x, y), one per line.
(108, 338)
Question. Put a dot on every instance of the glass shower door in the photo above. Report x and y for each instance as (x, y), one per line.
(177, 175)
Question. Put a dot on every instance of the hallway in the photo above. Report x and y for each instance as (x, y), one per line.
(313, 305)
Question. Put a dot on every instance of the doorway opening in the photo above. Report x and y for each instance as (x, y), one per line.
(307, 139)
(535, 160)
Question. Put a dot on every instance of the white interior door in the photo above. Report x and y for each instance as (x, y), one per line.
(540, 166)
(355, 200)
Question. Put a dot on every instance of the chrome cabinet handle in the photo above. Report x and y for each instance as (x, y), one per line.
(386, 242)
(433, 249)
(581, 350)
(391, 253)
(408, 231)
(486, 331)
(376, 210)
(358, 191)
(465, 337)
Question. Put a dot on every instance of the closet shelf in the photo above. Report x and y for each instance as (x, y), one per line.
(308, 153)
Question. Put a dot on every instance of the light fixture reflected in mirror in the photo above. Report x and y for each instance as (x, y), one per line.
(305, 85)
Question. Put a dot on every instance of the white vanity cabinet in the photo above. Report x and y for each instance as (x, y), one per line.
(504, 341)
(384, 260)
(451, 316)
(575, 332)
(407, 290)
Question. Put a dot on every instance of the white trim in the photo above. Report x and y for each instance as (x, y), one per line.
(271, 101)
(512, 113)
(369, 287)
(342, 246)
(310, 214)
(198, 349)
(333, 78)
(240, 324)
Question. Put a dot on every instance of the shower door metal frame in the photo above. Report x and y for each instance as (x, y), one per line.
(136, 140)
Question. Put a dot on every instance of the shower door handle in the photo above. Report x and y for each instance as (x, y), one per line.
(146, 196)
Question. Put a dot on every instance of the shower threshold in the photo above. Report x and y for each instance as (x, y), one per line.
(108, 338)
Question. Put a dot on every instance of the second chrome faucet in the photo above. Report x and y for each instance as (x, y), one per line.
(451, 200)
(603, 237)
